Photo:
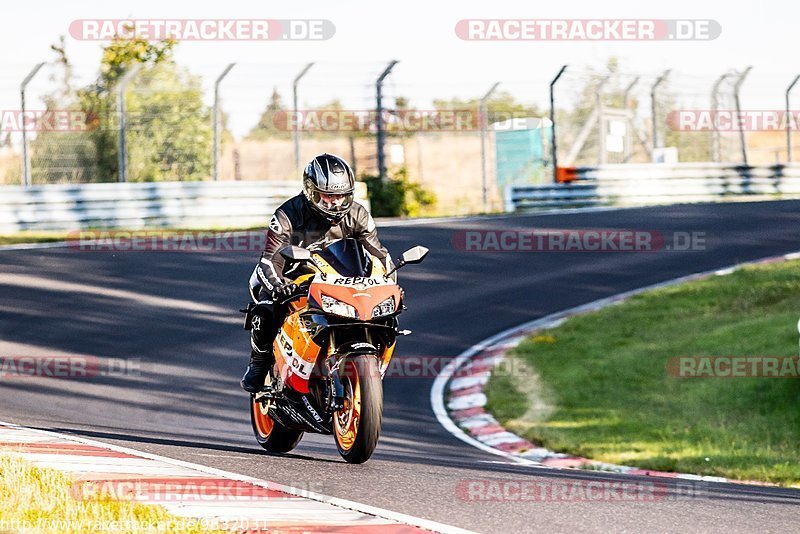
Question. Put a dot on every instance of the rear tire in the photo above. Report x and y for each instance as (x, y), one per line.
(270, 434)
(357, 426)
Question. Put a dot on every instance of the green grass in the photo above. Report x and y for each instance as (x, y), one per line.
(46, 500)
(605, 375)
(26, 237)
(32, 237)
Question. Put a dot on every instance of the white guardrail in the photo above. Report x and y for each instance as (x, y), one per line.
(139, 205)
(647, 184)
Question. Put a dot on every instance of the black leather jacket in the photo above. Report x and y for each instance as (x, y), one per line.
(296, 223)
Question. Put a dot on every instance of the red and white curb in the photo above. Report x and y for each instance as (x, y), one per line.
(458, 399)
(224, 500)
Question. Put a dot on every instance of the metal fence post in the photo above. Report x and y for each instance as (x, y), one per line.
(628, 147)
(715, 155)
(601, 121)
(215, 113)
(653, 110)
(122, 156)
(789, 121)
(296, 132)
(736, 88)
(484, 123)
(26, 157)
(379, 106)
(554, 146)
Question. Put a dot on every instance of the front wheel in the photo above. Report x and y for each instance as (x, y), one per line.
(357, 426)
(269, 433)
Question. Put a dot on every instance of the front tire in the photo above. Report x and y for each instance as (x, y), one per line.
(270, 434)
(358, 425)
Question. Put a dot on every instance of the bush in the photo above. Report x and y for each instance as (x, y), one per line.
(397, 196)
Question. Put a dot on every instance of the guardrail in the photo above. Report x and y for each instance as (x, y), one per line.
(140, 205)
(643, 184)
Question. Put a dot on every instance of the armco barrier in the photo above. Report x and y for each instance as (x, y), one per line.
(643, 184)
(138, 205)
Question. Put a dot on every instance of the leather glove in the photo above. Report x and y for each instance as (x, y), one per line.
(284, 291)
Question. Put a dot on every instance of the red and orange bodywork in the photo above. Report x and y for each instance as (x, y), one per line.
(296, 353)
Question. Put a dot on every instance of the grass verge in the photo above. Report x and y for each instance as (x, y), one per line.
(33, 499)
(606, 376)
(32, 237)
(28, 237)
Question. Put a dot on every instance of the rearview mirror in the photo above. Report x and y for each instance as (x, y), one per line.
(414, 255)
(293, 253)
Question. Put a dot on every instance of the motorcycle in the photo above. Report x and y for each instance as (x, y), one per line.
(332, 350)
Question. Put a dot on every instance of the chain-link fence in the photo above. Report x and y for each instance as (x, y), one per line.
(437, 132)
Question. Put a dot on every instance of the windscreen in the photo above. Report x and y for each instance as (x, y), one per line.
(348, 257)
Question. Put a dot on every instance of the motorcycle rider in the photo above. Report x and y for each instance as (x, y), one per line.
(325, 211)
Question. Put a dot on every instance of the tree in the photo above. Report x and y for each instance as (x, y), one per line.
(266, 125)
(170, 131)
(169, 134)
(398, 196)
(500, 107)
(62, 157)
(60, 50)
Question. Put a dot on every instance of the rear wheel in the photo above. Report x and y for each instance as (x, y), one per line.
(269, 433)
(357, 426)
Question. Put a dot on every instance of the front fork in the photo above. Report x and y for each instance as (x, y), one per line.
(335, 390)
(334, 400)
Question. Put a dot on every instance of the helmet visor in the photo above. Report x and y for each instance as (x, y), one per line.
(334, 204)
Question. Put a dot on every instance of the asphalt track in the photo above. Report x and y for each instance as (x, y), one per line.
(176, 312)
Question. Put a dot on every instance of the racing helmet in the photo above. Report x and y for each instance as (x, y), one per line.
(325, 175)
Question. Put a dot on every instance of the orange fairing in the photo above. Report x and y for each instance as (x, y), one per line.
(363, 299)
(295, 352)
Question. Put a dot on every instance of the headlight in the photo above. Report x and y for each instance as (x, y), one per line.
(337, 307)
(384, 308)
